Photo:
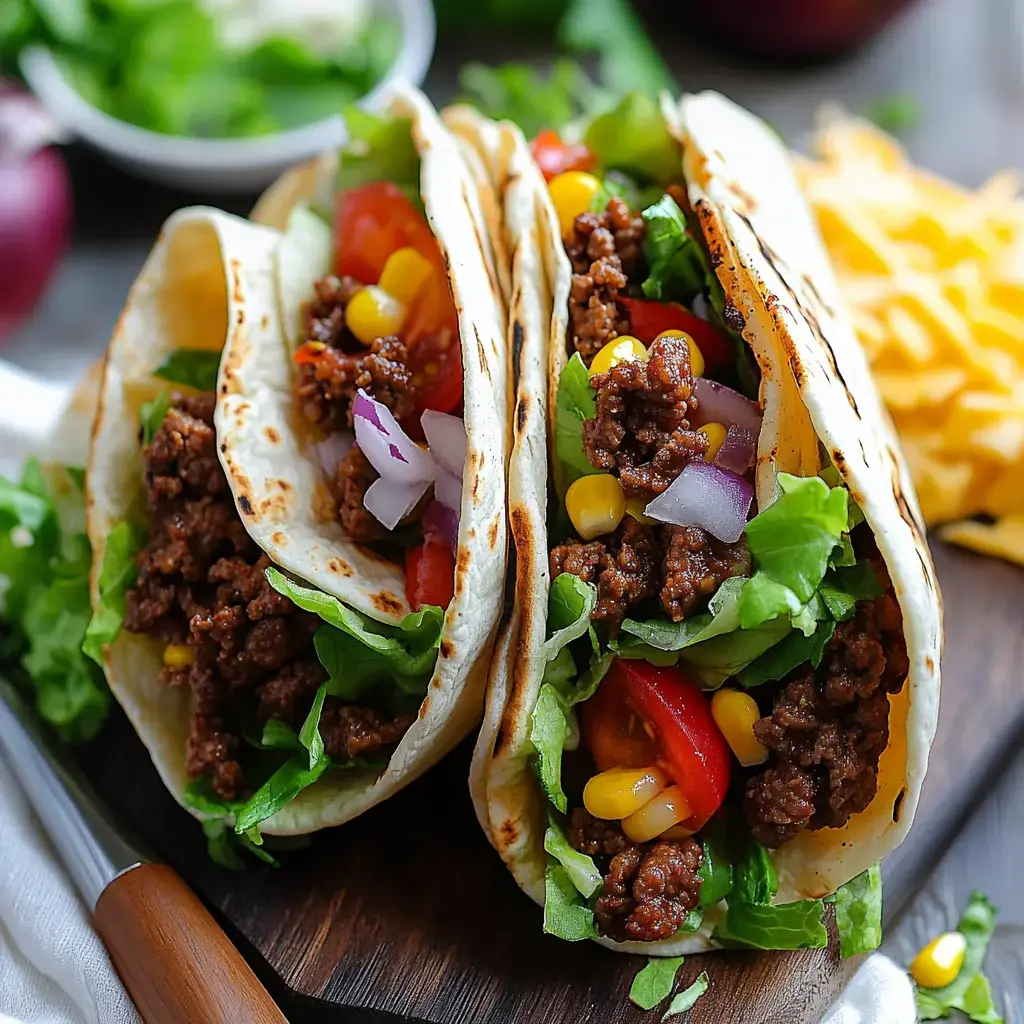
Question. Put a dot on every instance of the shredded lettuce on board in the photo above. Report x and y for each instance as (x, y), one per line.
(654, 983)
(44, 598)
(859, 913)
(684, 1000)
(970, 991)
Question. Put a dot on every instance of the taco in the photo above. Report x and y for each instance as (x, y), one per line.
(290, 655)
(713, 702)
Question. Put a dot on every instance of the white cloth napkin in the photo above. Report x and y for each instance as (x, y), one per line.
(53, 967)
(879, 993)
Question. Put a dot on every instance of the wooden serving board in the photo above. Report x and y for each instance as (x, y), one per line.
(407, 914)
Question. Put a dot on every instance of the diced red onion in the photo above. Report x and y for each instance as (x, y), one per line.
(448, 489)
(704, 495)
(332, 449)
(446, 436)
(389, 449)
(35, 203)
(718, 404)
(390, 501)
(738, 451)
(442, 521)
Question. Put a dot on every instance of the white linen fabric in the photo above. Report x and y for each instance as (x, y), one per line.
(53, 967)
(879, 993)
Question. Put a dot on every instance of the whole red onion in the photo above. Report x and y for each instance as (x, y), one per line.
(35, 204)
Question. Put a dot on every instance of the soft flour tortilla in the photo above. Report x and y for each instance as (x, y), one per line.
(210, 283)
(815, 385)
(278, 483)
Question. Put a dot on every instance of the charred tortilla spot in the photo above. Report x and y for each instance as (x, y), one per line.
(929, 663)
(734, 319)
(223, 447)
(522, 410)
(897, 806)
(386, 603)
(236, 281)
(244, 505)
(482, 246)
(482, 355)
(265, 321)
(447, 649)
(517, 343)
(339, 566)
(279, 538)
(476, 485)
(492, 534)
(508, 833)
(271, 435)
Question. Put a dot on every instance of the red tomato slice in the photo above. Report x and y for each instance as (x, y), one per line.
(370, 223)
(429, 573)
(436, 365)
(554, 157)
(642, 700)
(648, 319)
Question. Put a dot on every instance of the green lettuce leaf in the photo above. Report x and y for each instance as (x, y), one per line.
(844, 586)
(792, 651)
(379, 149)
(654, 983)
(117, 575)
(859, 913)
(44, 568)
(579, 868)
(566, 913)
(574, 403)
(684, 1000)
(193, 367)
(787, 926)
(278, 735)
(152, 415)
(677, 269)
(633, 137)
(716, 870)
(755, 878)
(358, 651)
(970, 991)
(549, 729)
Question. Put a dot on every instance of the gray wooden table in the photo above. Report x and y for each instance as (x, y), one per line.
(963, 62)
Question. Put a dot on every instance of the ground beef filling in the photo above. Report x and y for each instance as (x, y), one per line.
(680, 565)
(202, 585)
(649, 888)
(606, 249)
(349, 485)
(828, 728)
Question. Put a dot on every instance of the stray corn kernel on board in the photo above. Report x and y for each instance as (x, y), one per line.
(933, 279)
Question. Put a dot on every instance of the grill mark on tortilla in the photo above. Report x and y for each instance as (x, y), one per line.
(929, 663)
(816, 295)
(271, 435)
(340, 566)
(734, 319)
(447, 648)
(522, 411)
(897, 806)
(492, 534)
(492, 277)
(236, 280)
(386, 602)
(245, 505)
(482, 356)
(517, 349)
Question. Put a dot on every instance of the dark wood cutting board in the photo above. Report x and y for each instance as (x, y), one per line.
(407, 913)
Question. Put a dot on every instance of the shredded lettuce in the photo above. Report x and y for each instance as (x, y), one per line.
(970, 991)
(633, 137)
(755, 878)
(684, 1000)
(787, 926)
(859, 913)
(152, 415)
(44, 598)
(715, 871)
(193, 367)
(654, 983)
(574, 403)
(117, 574)
(566, 913)
(379, 149)
(580, 868)
(677, 268)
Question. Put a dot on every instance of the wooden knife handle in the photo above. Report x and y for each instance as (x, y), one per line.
(176, 963)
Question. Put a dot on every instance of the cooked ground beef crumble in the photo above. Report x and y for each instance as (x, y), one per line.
(202, 584)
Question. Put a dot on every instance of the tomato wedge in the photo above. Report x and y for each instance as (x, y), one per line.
(554, 157)
(645, 699)
(370, 223)
(648, 319)
(429, 573)
(436, 366)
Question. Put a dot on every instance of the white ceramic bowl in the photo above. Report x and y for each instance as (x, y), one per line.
(224, 165)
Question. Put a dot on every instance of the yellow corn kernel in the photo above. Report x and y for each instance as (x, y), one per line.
(696, 356)
(619, 792)
(940, 961)
(177, 656)
(373, 313)
(623, 349)
(595, 504)
(735, 713)
(635, 508)
(572, 193)
(715, 433)
(405, 273)
(668, 808)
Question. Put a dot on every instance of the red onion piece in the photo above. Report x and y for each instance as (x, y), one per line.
(718, 404)
(332, 449)
(35, 204)
(446, 436)
(390, 502)
(738, 451)
(441, 521)
(390, 450)
(448, 489)
(704, 495)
